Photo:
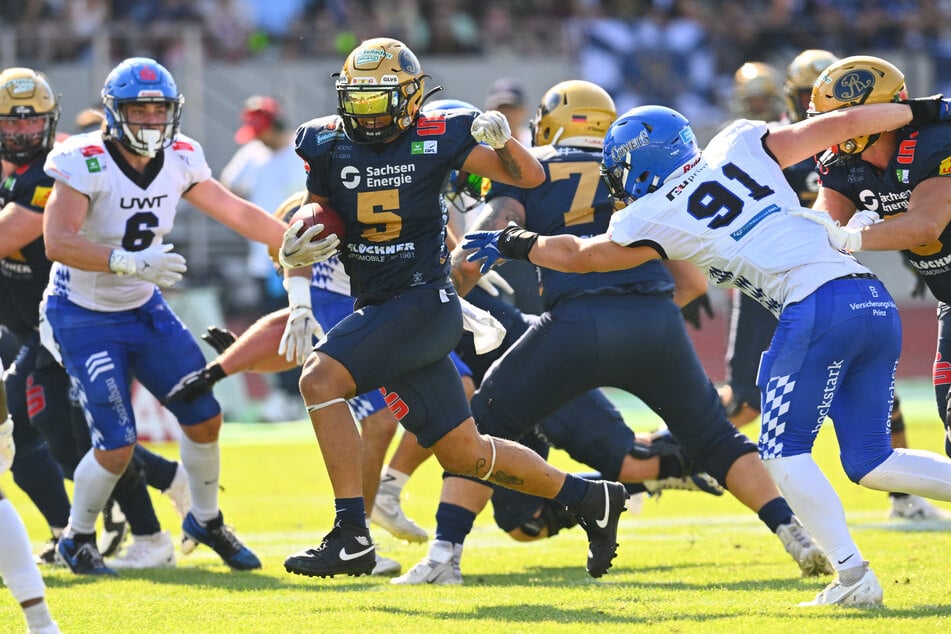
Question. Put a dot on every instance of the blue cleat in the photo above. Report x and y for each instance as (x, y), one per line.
(80, 553)
(222, 540)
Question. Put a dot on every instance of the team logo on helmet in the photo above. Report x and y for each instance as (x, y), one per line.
(853, 85)
(147, 73)
(620, 151)
(408, 61)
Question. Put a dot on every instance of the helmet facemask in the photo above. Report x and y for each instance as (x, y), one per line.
(380, 91)
(26, 96)
(854, 81)
(140, 80)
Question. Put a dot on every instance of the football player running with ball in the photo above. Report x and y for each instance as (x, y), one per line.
(381, 165)
(730, 211)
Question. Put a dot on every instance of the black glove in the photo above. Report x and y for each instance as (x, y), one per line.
(692, 311)
(219, 338)
(195, 384)
(927, 110)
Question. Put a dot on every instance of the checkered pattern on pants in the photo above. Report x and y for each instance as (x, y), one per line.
(775, 406)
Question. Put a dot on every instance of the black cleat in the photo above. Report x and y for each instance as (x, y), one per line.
(598, 514)
(344, 550)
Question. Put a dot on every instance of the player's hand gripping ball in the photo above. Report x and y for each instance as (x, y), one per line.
(313, 236)
(313, 214)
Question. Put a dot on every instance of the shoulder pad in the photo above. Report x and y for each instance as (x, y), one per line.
(317, 136)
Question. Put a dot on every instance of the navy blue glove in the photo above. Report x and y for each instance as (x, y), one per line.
(928, 110)
(486, 244)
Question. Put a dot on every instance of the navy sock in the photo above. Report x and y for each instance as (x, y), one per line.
(138, 509)
(453, 523)
(775, 513)
(351, 511)
(572, 491)
(159, 471)
(38, 474)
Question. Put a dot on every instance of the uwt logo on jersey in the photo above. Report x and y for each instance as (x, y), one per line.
(146, 202)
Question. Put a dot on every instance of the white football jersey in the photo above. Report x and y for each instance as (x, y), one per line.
(727, 213)
(128, 211)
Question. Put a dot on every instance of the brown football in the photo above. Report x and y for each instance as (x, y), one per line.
(314, 213)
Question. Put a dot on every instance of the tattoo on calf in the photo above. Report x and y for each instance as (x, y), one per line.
(506, 479)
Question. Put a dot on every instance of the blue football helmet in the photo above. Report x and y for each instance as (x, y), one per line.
(474, 187)
(141, 79)
(642, 148)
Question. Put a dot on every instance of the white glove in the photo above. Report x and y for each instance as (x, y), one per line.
(842, 238)
(492, 281)
(300, 251)
(492, 128)
(7, 448)
(157, 264)
(863, 218)
(298, 338)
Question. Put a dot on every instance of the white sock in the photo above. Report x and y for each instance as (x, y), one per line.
(17, 568)
(92, 486)
(39, 619)
(817, 506)
(393, 478)
(912, 471)
(202, 463)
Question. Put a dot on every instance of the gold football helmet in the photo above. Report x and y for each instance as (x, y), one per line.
(574, 113)
(801, 74)
(26, 95)
(854, 81)
(757, 92)
(379, 90)
(284, 211)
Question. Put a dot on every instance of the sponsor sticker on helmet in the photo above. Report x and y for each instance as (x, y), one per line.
(21, 86)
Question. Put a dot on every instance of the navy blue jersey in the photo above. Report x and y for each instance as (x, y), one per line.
(805, 180)
(923, 153)
(574, 200)
(25, 273)
(388, 196)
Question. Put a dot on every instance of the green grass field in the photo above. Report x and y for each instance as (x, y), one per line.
(688, 562)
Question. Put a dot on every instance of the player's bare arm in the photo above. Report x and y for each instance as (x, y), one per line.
(62, 218)
(587, 255)
(797, 142)
(252, 222)
(18, 227)
(835, 204)
(689, 280)
(512, 164)
(929, 212)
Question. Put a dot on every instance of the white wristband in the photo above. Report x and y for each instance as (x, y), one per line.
(122, 262)
(298, 291)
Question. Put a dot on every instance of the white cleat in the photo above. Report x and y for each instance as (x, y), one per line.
(387, 513)
(864, 593)
(440, 567)
(147, 551)
(179, 493)
(913, 507)
(386, 567)
(804, 549)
